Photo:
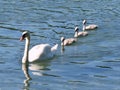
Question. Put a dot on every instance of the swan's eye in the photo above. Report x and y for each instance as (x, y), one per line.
(24, 35)
(77, 29)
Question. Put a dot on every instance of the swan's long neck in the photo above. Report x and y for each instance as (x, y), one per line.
(76, 34)
(25, 57)
(62, 44)
(84, 26)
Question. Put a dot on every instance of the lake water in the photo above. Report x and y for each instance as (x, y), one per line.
(93, 63)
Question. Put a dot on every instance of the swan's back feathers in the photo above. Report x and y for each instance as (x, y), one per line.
(85, 33)
(40, 52)
(54, 48)
(79, 34)
(69, 41)
(91, 27)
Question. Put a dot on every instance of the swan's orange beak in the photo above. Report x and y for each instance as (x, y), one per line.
(21, 38)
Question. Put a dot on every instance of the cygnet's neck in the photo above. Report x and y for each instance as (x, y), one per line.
(84, 26)
(62, 44)
(76, 34)
(25, 57)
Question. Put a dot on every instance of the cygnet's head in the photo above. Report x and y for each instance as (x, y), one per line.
(25, 35)
(62, 39)
(76, 29)
(84, 22)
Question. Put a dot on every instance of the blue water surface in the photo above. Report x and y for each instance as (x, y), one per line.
(92, 63)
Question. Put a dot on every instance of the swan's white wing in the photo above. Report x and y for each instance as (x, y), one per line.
(85, 33)
(41, 52)
(92, 26)
(80, 34)
(69, 41)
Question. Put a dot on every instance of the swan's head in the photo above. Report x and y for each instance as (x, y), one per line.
(25, 35)
(76, 29)
(62, 39)
(84, 22)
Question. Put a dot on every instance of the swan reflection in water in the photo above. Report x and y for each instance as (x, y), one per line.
(36, 68)
(62, 49)
(26, 73)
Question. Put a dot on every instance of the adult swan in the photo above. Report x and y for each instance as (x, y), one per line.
(38, 52)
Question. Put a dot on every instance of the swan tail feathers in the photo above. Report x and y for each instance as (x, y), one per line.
(54, 48)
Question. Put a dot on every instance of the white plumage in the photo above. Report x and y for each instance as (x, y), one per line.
(68, 41)
(78, 34)
(89, 27)
(38, 52)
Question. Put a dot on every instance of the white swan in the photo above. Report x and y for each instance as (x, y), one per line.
(38, 52)
(78, 34)
(89, 27)
(68, 41)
